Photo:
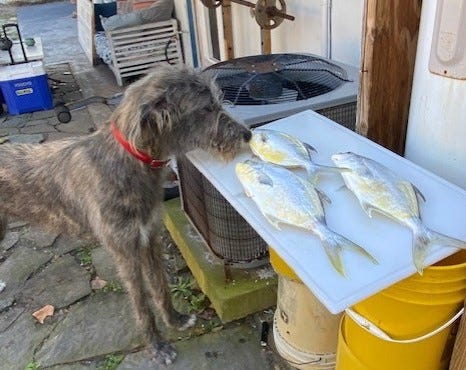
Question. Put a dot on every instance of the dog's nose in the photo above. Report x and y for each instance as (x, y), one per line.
(247, 136)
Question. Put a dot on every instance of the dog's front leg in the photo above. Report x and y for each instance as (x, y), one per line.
(129, 259)
(154, 272)
(3, 225)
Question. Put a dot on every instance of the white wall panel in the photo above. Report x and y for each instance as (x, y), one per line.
(304, 34)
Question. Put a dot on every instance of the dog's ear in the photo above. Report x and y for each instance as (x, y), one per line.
(152, 104)
(154, 114)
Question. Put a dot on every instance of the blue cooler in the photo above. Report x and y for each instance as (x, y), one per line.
(25, 88)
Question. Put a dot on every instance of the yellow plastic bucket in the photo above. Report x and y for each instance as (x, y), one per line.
(374, 353)
(281, 267)
(410, 311)
(305, 332)
(346, 360)
(419, 304)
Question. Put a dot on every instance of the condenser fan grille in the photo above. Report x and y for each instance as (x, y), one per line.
(276, 78)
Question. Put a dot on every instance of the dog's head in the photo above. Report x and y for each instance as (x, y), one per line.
(173, 110)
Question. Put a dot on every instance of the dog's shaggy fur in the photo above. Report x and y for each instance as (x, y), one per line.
(91, 186)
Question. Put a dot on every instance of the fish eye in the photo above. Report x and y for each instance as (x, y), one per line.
(263, 138)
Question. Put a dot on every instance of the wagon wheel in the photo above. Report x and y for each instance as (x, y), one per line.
(269, 16)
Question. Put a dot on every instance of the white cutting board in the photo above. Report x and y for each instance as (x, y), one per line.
(389, 242)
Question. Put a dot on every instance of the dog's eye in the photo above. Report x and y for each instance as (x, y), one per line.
(208, 109)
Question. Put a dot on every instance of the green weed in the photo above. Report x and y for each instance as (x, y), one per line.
(32, 366)
(85, 255)
(113, 286)
(111, 362)
(184, 288)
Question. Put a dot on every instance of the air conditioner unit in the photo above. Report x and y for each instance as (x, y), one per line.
(263, 88)
(259, 89)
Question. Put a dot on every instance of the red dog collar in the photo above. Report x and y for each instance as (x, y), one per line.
(143, 157)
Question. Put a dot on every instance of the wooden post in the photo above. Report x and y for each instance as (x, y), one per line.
(227, 29)
(266, 41)
(390, 33)
(458, 359)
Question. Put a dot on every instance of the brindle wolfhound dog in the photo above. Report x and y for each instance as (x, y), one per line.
(109, 184)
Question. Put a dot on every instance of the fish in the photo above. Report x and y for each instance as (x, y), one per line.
(285, 198)
(378, 188)
(286, 150)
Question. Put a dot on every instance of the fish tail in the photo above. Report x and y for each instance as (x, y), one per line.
(424, 239)
(334, 247)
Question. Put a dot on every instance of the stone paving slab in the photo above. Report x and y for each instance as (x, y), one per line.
(59, 135)
(41, 128)
(40, 238)
(42, 115)
(100, 325)
(64, 244)
(16, 121)
(8, 131)
(17, 268)
(85, 366)
(18, 342)
(10, 240)
(104, 266)
(234, 348)
(9, 316)
(60, 284)
(16, 225)
(26, 138)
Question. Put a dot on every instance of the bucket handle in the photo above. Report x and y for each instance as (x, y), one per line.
(375, 330)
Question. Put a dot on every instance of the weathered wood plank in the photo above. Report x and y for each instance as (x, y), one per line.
(390, 34)
(227, 29)
(266, 41)
(86, 28)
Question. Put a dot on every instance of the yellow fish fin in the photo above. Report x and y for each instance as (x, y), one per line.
(336, 244)
(408, 189)
(361, 251)
(333, 252)
(423, 240)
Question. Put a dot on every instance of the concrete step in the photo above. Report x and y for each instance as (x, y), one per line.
(247, 291)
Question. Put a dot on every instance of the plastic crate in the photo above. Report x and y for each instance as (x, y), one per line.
(25, 88)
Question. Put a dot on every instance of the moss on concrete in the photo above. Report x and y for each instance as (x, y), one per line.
(249, 290)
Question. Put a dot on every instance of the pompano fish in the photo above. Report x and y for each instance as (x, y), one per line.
(380, 189)
(283, 197)
(285, 150)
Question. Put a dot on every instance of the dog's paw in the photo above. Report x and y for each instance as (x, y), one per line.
(163, 353)
(186, 322)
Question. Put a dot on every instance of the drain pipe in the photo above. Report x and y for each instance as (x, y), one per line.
(326, 40)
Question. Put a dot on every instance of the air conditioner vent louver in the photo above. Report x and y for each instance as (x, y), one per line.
(276, 78)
